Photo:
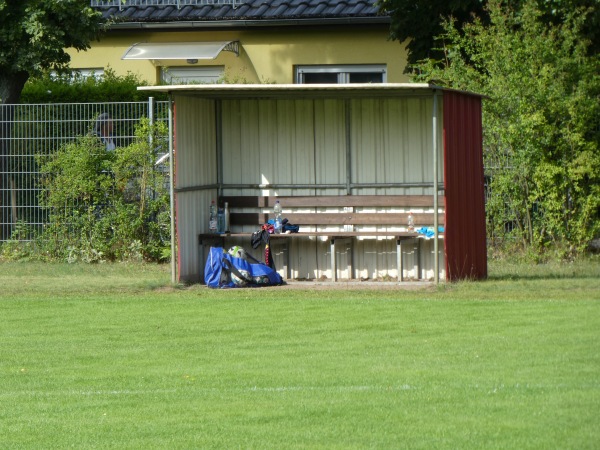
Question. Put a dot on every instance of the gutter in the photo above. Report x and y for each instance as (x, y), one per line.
(250, 23)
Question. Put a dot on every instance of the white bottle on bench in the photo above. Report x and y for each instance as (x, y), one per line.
(277, 212)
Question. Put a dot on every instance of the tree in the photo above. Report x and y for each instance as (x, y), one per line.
(33, 37)
(541, 135)
(421, 21)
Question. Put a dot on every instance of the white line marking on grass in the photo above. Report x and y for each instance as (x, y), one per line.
(123, 392)
(405, 387)
(86, 393)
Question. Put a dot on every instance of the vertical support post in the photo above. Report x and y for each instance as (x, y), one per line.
(172, 193)
(219, 144)
(348, 120)
(418, 266)
(351, 268)
(436, 262)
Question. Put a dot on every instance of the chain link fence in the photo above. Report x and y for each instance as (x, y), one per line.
(31, 131)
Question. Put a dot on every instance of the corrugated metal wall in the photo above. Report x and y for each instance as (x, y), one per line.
(392, 142)
(286, 142)
(195, 164)
(465, 240)
(306, 142)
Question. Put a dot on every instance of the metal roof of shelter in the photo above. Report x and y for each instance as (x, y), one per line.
(302, 90)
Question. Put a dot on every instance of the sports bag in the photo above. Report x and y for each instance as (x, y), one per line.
(223, 270)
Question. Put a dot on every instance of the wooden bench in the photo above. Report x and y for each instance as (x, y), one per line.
(331, 217)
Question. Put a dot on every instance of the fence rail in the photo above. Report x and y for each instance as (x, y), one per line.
(28, 132)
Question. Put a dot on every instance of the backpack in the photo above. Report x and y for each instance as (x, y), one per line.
(223, 270)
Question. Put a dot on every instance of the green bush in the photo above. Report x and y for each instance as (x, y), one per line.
(75, 88)
(106, 205)
(540, 120)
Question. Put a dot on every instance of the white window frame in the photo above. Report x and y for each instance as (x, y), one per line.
(343, 71)
(192, 75)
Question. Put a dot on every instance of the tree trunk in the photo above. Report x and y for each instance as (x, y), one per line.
(11, 85)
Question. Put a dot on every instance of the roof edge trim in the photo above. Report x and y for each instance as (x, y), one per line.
(379, 20)
(215, 90)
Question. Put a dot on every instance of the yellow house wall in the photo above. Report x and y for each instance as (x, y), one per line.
(267, 55)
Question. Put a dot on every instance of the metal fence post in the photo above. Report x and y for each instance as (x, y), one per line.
(150, 119)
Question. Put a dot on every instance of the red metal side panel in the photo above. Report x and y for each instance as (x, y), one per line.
(465, 236)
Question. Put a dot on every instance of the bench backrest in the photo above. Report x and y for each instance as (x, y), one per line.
(332, 210)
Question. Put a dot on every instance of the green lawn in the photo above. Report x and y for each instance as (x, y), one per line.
(111, 356)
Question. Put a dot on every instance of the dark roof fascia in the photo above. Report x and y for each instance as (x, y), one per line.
(290, 91)
(379, 20)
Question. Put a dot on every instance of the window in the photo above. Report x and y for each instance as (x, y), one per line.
(192, 75)
(371, 73)
(96, 73)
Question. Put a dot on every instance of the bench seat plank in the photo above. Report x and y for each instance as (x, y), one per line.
(339, 218)
(334, 201)
(323, 234)
(348, 218)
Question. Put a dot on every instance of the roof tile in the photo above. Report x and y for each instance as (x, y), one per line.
(246, 10)
(318, 9)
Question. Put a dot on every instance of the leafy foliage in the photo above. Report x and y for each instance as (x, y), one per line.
(107, 205)
(73, 88)
(34, 35)
(420, 22)
(541, 135)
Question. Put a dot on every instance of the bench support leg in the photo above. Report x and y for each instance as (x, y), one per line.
(399, 259)
(351, 268)
(333, 267)
(418, 258)
(288, 271)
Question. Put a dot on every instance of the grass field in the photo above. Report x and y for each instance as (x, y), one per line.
(112, 356)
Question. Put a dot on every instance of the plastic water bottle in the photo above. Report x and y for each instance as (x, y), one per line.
(411, 222)
(221, 221)
(277, 212)
(212, 221)
(227, 217)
